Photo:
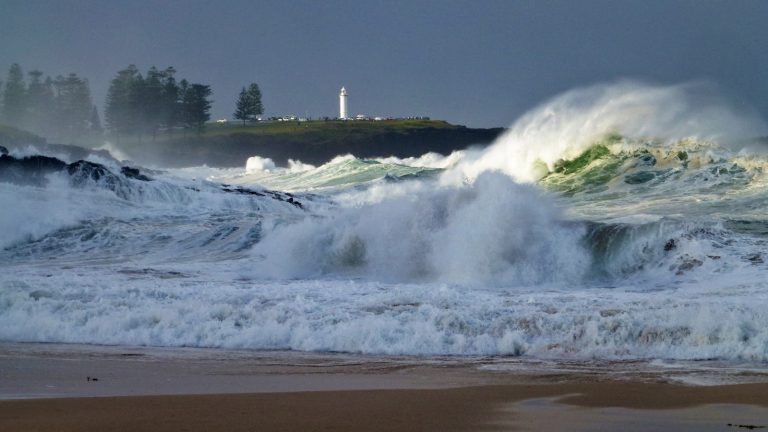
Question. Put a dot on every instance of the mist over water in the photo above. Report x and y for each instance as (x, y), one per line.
(565, 126)
(490, 232)
(609, 222)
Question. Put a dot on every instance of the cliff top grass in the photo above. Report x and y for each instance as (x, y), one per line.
(320, 127)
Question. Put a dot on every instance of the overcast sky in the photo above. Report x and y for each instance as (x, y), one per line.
(479, 63)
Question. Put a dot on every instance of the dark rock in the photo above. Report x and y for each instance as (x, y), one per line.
(133, 173)
(240, 190)
(294, 202)
(755, 258)
(688, 264)
(82, 171)
(745, 426)
(30, 170)
(670, 245)
(280, 196)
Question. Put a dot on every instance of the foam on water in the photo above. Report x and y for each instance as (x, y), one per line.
(612, 222)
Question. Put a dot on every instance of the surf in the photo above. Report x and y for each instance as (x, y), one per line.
(608, 222)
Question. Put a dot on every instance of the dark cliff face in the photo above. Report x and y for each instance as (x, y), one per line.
(232, 150)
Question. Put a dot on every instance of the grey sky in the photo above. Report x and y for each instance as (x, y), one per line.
(480, 63)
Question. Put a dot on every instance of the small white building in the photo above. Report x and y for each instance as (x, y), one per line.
(343, 104)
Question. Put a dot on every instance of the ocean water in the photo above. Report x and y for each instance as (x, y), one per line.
(620, 221)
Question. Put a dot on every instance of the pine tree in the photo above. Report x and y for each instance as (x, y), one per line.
(248, 104)
(121, 108)
(14, 96)
(242, 107)
(255, 96)
(40, 103)
(196, 106)
(169, 99)
(152, 101)
(73, 105)
(181, 108)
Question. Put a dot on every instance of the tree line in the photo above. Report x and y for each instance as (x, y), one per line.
(146, 104)
(58, 107)
(136, 104)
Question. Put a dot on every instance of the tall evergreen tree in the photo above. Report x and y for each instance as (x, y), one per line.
(248, 104)
(40, 103)
(14, 96)
(181, 111)
(121, 111)
(73, 105)
(169, 106)
(152, 101)
(196, 106)
(242, 107)
(255, 96)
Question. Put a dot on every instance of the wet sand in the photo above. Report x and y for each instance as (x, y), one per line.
(45, 388)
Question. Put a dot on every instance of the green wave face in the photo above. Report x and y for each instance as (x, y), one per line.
(345, 171)
(682, 177)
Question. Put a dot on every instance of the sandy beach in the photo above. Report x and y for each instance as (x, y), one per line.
(47, 388)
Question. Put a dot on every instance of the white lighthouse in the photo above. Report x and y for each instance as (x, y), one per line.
(343, 104)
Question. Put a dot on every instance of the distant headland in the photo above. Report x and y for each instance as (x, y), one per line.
(155, 119)
(311, 141)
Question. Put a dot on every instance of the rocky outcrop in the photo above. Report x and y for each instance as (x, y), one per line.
(133, 173)
(280, 196)
(31, 170)
(34, 170)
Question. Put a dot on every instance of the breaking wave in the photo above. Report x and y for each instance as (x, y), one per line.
(610, 222)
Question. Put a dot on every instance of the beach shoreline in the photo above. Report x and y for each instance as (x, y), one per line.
(48, 387)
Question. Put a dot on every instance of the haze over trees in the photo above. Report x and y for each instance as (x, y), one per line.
(248, 105)
(147, 104)
(59, 108)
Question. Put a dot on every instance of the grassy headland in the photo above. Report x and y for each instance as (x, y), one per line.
(314, 142)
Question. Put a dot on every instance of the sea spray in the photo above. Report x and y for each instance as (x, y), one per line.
(565, 126)
(490, 232)
(647, 220)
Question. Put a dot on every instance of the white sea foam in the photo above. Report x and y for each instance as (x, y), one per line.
(432, 255)
(565, 126)
(206, 306)
(259, 164)
(491, 232)
(427, 160)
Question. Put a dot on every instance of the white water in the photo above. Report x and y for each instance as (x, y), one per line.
(433, 255)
